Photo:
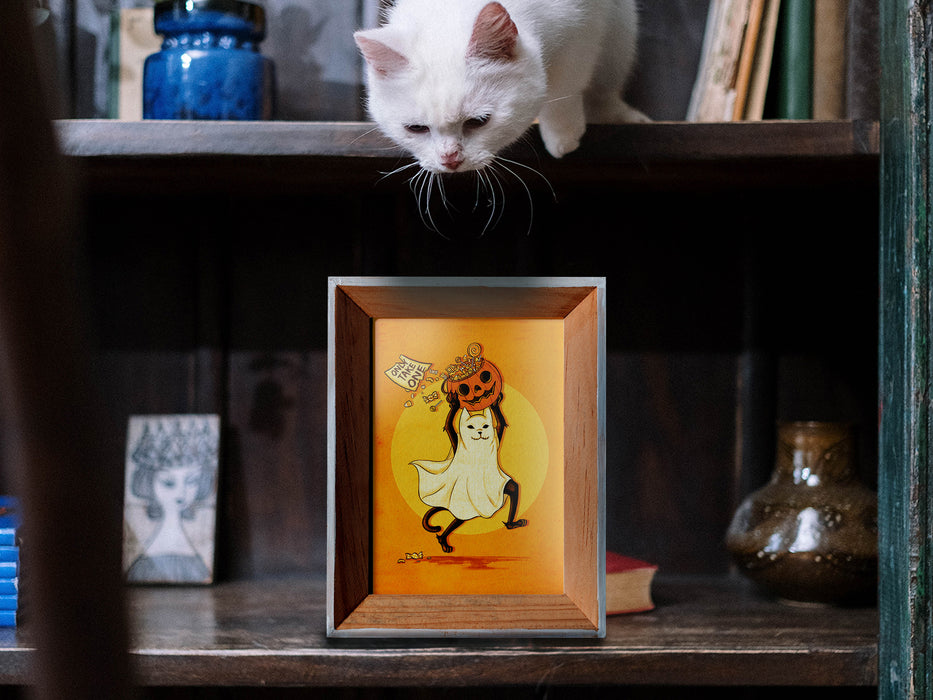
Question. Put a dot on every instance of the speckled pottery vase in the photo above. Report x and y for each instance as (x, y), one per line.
(811, 534)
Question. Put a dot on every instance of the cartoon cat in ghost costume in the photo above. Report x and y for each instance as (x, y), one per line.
(469, 483)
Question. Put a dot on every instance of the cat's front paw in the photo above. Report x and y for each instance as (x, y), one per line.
(559, 143)
(563, 123)
(634, 116)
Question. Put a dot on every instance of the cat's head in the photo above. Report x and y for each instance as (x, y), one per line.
(478, 427)
(477, 430)
(451, 86)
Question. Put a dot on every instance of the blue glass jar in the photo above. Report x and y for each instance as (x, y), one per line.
(209, 66)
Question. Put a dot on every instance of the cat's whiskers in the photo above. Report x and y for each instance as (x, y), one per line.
(364, 135)
(414, 182)
(529, 140)
(559, 99)
(432, 178)
(388, 147)
(491, 191)
(442, 191)
(511, 167)
(496, 204)
(424, 193)
(484, 176)
(417, 185)
(480, 185)
(531, 204)
(398, 170)
(528, 167)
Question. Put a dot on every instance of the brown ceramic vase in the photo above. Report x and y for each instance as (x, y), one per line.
(811, 534)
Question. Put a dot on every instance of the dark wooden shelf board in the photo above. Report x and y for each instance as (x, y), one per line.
(96, 138)
(294, 155)
(703, 632)
(664, 140)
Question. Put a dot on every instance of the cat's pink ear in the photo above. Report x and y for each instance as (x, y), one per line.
(382, 58)
(495, 35)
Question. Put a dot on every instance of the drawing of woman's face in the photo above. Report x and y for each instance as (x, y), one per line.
(176, 488)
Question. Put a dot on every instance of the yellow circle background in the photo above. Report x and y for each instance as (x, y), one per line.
(523, 453)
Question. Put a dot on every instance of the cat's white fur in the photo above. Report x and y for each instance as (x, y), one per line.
(456, 81)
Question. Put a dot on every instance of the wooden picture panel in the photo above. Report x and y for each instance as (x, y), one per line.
(357, 305)
(349, 456)
(170, 499)
(585, 369)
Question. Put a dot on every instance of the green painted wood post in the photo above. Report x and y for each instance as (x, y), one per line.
(905, 359)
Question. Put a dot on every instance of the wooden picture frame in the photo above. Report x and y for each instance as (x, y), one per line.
(170, 498)
(357, 307)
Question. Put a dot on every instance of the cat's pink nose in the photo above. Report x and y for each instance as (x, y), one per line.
(452, 160)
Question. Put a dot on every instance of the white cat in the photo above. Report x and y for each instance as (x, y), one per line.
(469, 483)
(456, 81)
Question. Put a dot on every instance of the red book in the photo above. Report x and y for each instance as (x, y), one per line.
(628, 584)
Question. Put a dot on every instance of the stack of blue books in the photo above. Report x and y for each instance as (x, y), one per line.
(9, 560)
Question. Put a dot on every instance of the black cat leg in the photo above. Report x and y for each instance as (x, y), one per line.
(511, 490)
(425, 521)
(442, 538)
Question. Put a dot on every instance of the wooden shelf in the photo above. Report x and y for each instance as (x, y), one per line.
(294, 155)
(704, 631)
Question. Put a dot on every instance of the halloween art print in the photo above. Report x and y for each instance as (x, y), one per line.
(468, 456)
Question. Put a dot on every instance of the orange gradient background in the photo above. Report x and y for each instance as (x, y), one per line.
(487, 557)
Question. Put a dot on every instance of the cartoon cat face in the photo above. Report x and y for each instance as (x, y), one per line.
(478, 435)
(453, 94)
(478, 427)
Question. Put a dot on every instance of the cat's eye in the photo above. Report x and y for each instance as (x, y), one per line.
(476, 122)
(417, 128)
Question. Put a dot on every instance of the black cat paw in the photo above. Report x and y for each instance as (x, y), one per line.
(516, 523)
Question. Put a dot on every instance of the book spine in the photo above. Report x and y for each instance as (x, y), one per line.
(9, 569)
(9, 553)
(701, 84)
(7, 536)
(795, 69)
(9, 586)
(829, 59)
(747, 58)
(9, 601)
(764, 55)
(7, 618)
(863, 62)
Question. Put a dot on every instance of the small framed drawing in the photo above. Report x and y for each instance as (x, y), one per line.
(466, 457)
(170, 499)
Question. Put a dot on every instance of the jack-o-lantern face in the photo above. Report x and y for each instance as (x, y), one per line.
(480, 390)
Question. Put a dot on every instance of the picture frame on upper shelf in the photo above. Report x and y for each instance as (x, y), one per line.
(466, 457)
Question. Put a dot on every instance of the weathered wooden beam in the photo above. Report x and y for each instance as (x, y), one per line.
(72, 511)
(905, 452)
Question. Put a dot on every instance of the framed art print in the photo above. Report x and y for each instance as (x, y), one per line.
(170, 498)
(466, 457)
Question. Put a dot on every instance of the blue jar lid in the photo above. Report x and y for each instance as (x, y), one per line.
(200, 15)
